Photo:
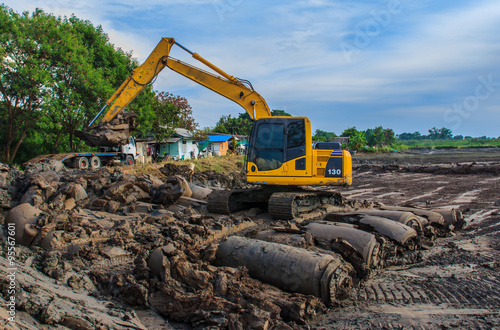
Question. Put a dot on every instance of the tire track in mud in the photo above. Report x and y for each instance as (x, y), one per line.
(461, 272)
(456, 284)
(461, 293)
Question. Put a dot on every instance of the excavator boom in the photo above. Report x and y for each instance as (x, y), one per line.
(112, 131)
(225, 84)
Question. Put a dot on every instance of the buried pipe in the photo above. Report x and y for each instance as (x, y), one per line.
(431, 216)
(451, 217)
(271, 235)
(288, 268)
(23, 217)
(394, 230)
(406, 218)
(365, 244)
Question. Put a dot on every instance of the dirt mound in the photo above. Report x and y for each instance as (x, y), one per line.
(9, 181)
(207, 178)
(127, 238)
(472, 168)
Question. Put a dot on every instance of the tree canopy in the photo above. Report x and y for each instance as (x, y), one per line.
(323, 136)
(242, 124)
(56, 74)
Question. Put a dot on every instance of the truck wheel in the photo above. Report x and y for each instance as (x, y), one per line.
(129, 160)
(95, 162)
(82, 163)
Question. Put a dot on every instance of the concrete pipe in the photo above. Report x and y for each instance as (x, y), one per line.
(394, 230)
(270, 235)
(288, 268)
(432, 217)
(199, 192)
(451, 217)
(364, 243)
(406, 218)
(184, 185)
(24, 217)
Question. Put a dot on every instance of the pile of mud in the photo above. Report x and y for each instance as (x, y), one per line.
(471, 168)
(111, 134)
(96, 248)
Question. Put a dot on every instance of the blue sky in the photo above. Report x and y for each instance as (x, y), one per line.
(401, 64)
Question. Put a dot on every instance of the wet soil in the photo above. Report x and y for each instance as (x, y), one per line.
(456, 284)
(116, 251)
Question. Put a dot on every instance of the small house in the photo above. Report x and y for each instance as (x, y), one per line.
(241, 143)
(218, 144)
(180, 146)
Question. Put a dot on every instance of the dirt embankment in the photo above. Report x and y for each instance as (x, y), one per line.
(426, 156)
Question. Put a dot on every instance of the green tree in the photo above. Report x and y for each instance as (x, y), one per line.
(276, 112)
(434, 133)
(357, 141)
(242, 124)
(86, 69)
(166, 117)
(163, 115)
(350, 132)
(230, 125)
(55, 75)
(389, 136)
(186, 119)
(410, 136)
(375, 137)
(24, 72)
(323, 136)
(441, 133)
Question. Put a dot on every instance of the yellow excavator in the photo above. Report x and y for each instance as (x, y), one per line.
(281, 157)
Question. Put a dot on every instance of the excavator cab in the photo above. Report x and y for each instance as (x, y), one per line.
(276, 141)
(281, 153)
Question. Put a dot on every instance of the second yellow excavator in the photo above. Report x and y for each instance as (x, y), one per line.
(280, 156)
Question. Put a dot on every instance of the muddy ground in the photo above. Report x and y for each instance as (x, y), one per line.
(456, 284)
(91, 260)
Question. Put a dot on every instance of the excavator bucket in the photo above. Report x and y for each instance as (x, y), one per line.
(111, 134)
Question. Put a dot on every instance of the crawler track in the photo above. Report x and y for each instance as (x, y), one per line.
(282, 205)
(289, 205)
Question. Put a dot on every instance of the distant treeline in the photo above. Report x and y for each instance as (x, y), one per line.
(384, 139)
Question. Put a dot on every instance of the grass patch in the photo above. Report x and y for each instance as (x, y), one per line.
(230, 163)
(465, 143)
(225, 164)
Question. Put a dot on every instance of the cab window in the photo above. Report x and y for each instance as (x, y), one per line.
(268, 153)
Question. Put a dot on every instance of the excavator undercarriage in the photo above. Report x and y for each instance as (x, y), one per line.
(281, 202)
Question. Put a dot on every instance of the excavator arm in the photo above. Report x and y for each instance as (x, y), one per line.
(237, 90)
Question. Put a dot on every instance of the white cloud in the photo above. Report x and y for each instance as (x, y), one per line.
(429, 55)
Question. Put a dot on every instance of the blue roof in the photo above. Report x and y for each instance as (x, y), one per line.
(219, 138)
